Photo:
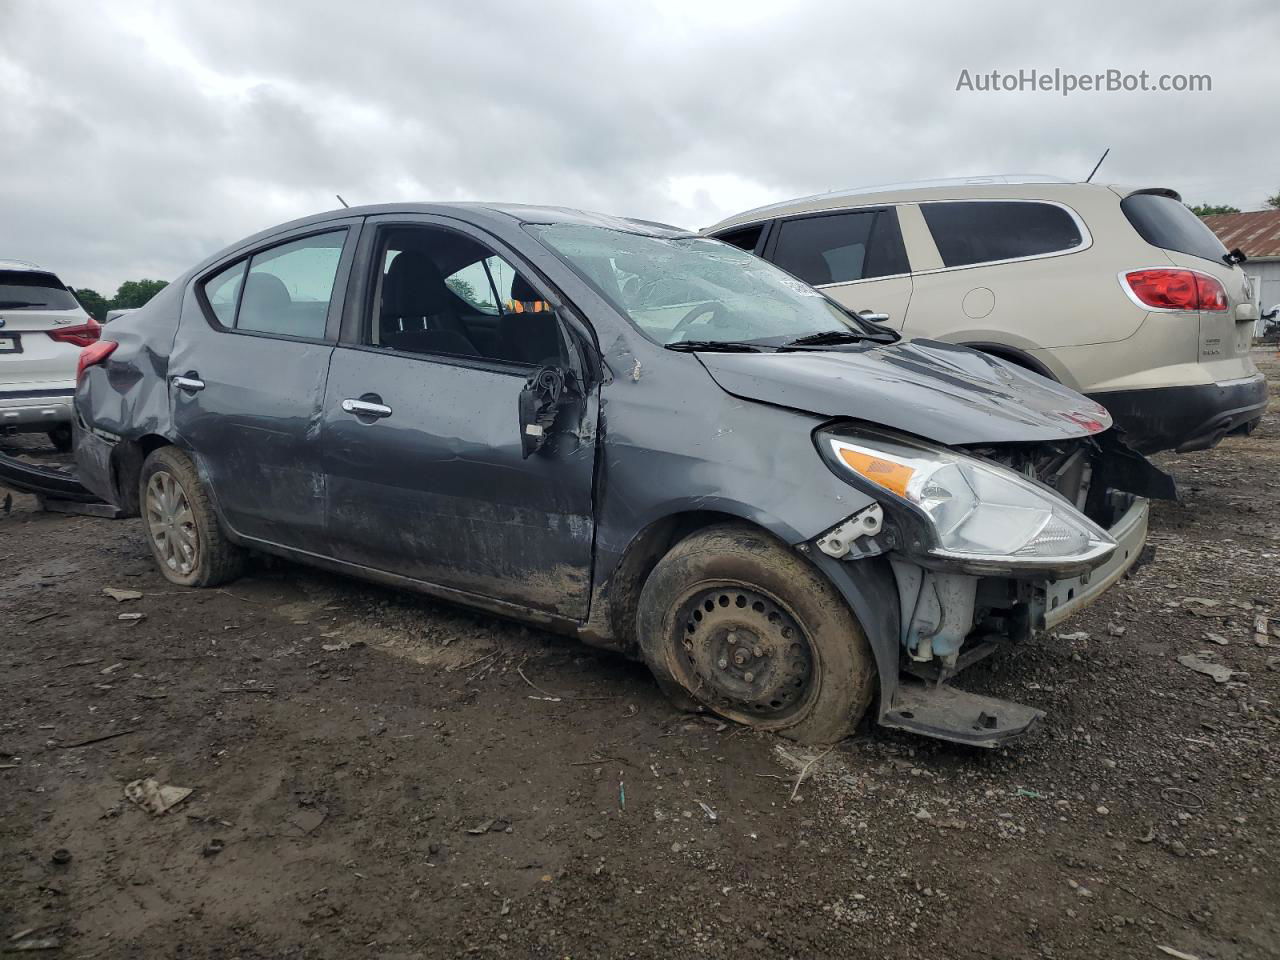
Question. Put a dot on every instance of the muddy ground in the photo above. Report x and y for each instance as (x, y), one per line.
(378, 775)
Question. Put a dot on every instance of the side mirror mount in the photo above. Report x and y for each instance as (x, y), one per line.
(873, 316)
(539, 403)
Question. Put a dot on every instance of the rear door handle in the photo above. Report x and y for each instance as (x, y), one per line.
(188, 383)
(365, 408)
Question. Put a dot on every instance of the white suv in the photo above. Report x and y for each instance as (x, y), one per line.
(1119, 293)
(42, 328)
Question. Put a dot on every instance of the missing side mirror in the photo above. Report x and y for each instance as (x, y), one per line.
(539, 404)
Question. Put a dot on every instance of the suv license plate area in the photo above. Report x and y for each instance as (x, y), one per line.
(9, 343)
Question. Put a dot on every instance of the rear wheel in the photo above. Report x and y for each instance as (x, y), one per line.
(182, 529)
(60, 437)
(734, 619)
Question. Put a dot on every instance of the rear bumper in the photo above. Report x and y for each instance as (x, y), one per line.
(1062, 598)
(35, 410)
(1188, 417)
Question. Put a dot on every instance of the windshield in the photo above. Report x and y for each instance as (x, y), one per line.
(694, 288)
(28, 290)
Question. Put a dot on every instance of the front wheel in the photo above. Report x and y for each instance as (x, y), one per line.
(182, 529)
(734, 619)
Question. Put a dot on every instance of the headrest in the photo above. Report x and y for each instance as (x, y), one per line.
(413, 287)
(264, 295)
(523, 291)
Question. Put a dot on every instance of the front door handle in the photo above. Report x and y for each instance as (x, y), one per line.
(365, 408)
(188, 382)
(873, 316)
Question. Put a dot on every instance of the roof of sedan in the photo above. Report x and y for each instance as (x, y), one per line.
(518, 212)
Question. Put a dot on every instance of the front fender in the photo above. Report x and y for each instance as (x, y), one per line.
(869, 588)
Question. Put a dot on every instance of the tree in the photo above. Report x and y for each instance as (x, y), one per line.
(94, 303)
(1209, 209)
(1274, 202)
(135, 293)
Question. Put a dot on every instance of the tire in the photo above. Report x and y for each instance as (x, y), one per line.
(60, 437)
(735, 620)
(192, 551)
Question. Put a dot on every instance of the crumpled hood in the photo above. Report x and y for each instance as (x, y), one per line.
(949, 394)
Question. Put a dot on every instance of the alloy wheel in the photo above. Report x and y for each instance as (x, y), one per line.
(171, 523)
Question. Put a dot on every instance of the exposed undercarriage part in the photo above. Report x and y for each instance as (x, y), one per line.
(951, 619)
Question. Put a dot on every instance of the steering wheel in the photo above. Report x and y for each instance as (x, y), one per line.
(713, 307)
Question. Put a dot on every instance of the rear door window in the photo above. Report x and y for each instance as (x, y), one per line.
(288, 288)
(284, 290)
(968, 232)
(841, 247)
(1165, 222)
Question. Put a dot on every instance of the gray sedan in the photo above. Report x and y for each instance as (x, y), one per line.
(624, 431)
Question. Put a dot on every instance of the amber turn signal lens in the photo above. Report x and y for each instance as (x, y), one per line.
(892, 476)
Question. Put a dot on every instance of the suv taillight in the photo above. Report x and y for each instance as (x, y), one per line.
(81, 335)
(1177, 289)
(94, 354)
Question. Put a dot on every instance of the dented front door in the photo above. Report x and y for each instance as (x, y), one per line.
(426, 479)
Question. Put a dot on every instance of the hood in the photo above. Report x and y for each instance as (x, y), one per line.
(939, 391)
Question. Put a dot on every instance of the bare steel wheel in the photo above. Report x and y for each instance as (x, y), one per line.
(182, 528)
(744, 651)
(171, 524)
(735, 620)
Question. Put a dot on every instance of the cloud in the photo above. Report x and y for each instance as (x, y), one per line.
(137, 139)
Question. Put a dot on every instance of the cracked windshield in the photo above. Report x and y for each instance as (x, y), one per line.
(691, 289)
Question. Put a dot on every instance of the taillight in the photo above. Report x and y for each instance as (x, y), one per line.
(94, 354)
(1177, 289)
(81, 335)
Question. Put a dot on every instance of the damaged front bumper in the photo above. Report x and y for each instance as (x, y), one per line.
(949, 619)
(1062, 598)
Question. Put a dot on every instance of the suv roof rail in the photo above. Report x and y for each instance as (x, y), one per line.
(998, 178)
(13, 262)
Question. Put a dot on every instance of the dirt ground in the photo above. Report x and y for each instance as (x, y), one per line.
(378, 775)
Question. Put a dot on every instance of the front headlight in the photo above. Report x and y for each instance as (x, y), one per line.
(978, 511)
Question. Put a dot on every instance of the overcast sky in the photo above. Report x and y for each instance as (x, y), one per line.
(136, 138)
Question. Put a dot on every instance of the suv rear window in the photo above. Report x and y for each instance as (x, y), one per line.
(1164, 222)
(27, 290)
(985, 231)
(840, 247)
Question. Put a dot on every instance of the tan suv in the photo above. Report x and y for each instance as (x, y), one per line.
(1119, 293)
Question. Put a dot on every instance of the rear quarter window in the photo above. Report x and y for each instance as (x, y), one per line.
(1164, 222)
(969, 232)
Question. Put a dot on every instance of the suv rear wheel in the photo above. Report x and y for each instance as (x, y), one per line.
(182, 529)
(734, 619)
(60, 437)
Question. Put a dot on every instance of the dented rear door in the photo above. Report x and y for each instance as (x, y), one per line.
(247, 375)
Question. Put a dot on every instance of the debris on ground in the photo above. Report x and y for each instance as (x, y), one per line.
(1219, 672)
(154, 797)
(307, 820)
(120, 595)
